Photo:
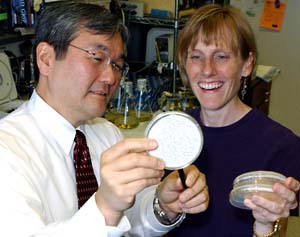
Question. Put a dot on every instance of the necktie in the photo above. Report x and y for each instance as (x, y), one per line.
(85, 178)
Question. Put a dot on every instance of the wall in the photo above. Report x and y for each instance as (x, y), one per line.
(282, 49)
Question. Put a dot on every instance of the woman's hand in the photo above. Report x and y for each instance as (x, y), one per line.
(174, 199)
(268, 208)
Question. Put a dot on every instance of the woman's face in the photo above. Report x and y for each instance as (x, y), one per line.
(215, 73)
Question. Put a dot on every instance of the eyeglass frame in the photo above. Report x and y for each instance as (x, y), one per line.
(124, 70)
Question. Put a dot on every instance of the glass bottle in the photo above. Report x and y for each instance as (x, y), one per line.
(127, 118)
(188, 100)
(114, 106)
(143, 108)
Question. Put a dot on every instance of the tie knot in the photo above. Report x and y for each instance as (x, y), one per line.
(80, 137)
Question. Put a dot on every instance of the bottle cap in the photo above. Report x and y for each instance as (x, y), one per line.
(141, 83)
(128, 85)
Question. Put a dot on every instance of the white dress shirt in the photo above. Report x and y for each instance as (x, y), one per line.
(37, 179)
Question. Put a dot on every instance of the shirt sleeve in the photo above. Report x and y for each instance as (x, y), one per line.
(91, 218)
(88, 221)
(23, 212)
(142, 218)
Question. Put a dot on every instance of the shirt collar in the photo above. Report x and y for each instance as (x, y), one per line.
(61, 130)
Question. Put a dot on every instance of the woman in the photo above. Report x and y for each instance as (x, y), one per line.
(216, 51)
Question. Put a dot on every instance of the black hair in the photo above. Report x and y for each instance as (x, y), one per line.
(58, 24)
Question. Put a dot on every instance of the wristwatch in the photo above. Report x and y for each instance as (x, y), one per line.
(162, 216)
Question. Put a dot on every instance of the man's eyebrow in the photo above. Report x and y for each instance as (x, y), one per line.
(105, 49)
(102, 47)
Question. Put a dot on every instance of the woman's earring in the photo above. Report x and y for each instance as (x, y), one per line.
(244, 88)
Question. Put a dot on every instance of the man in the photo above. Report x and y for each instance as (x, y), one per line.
(79, 50)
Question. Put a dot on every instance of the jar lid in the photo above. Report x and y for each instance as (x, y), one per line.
(255, 182)
(179, 137)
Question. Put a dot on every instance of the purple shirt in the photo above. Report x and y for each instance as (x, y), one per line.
(254, 143)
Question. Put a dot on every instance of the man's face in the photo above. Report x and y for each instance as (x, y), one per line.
(80, 85)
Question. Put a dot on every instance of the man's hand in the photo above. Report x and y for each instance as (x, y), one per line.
(125, 170)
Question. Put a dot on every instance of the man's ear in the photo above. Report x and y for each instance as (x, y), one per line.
(44, 54)
(248, 65)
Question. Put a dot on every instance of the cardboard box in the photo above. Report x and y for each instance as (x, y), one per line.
(168, 5)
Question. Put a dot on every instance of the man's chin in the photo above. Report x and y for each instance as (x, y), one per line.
(96, 113)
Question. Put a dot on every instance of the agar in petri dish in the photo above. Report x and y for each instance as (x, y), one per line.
(179, 137)
(255, 182)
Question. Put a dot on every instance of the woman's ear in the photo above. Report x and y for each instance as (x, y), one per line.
(44, 55)
(248, 65)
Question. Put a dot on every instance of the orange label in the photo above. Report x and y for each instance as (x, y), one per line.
(272, 15)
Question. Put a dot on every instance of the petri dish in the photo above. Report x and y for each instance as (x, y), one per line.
(255, 182)
(179, 137)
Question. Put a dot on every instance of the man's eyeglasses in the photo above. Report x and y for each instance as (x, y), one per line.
(103, 60)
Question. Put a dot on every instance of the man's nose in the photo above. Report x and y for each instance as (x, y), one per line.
(107, 75)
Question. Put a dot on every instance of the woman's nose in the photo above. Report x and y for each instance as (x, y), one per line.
(208, 67)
